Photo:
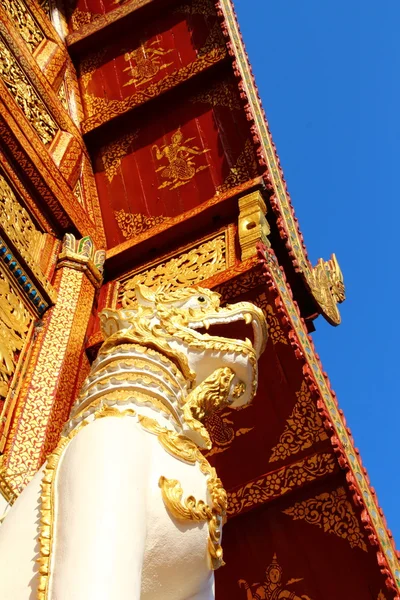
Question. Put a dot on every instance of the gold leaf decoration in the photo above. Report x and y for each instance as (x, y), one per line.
(219, 94)
(183, 270)
(275, 332)
(23, 20)
(303, 428)
(133, 224)
(113, 153)
(244, 169)
(332, 512)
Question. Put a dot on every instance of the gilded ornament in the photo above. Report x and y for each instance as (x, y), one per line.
(181, 167)
(303, 428)
(272, 587)
(223, 94)
(26, 96)
(14, 325)
(244, 169)
(113, 153)
(189, 268)
(253, 225)
(145, 62)
(275, 331)
(221, 431)
(133, 224)
(197, 7)
(25, 23)
(332, 512)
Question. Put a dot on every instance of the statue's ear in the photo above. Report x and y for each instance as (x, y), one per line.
(144, 295)
(112, 321)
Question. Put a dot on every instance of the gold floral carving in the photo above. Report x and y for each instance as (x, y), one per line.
(244, 169)
(327, 286)
(181, 167)
(147, 62)
(225, 94)
(133, 224)
(24, 22)
(275, 331)
(332, 512)
(187, 269)
(17, 224)
(25, 96)
(280, 482)
(303, 428)
(253, 225)
(14, 325)
(272, 587)
(113, 153)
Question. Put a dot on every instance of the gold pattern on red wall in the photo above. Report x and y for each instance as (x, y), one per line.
(275, 331)
(180, 158)
(113, 153)
(221, 93)
(280, 482)
(244, 169)
(303, 428)
(145, 62)
(332, 512)
(132, 224)
(272, 588)
(199, 7)
(222, 432)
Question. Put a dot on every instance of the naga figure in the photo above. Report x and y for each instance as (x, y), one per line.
(127, 507)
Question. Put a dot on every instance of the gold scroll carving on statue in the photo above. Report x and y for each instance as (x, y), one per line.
(303, 428)
(145, 62)
(332, 512)
(187, 269)
(25, 96)
(14, 325)
(181, 167)
(272, 588)
(18, 225)
(24, 22)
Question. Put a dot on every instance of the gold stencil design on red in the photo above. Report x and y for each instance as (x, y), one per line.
(275, 331)
(113, 153)
(303, 428)
(133, 224)
(180, 156)
(221, 431)
(145, 62)
(272, 588)
(244, 169)
(332, 512)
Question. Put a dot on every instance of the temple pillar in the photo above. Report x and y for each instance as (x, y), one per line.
(46, 394)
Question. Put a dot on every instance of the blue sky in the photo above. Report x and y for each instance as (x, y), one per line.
(329, 78)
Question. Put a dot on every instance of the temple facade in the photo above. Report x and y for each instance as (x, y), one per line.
(134, 150)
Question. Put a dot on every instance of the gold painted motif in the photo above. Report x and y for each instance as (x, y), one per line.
(332, 512)
(221, 432)
(381, 596)
(113, 153)
(24, 22)
(6, 489)
(14, 325)
(145, 62)
(184, 270)
(79, 18)
(253, 225)
(280, 482)
(45, 6)
(25, 96)
(275, 331)
(272, 587)
(220, 94)
(303, 428)
(197, 7)
(17, 224)
(181, 166)
(244, 169)
(133, 224)
(62, 95)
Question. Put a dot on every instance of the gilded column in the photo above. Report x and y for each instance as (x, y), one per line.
(46, 394)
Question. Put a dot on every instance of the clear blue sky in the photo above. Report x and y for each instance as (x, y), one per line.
(329, 78)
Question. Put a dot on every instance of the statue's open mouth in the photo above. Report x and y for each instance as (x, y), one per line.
(243, 323)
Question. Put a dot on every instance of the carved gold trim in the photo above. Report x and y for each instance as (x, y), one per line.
(332, 512)
(253, 225)
(191, 266)
(24, 22)
(303, 428)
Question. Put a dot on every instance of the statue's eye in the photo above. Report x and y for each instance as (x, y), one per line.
(201, 299)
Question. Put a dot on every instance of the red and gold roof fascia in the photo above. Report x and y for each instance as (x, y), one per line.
(325, 292)
(348, 457)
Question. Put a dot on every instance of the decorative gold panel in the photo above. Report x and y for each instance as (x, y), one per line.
(25, 95)
(24, 22)
(14, 325)
(253, 225)
(332, 512)
(303, 428)
(17, 224)
(185, 269)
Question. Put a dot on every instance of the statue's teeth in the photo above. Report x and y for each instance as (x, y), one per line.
(248, 343)
(248, 318)
(206, 324)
